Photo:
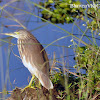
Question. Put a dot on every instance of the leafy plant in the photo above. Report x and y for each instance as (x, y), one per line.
(62, 11)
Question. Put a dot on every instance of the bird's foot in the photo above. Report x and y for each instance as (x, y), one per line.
(27, 87)
(38, 86)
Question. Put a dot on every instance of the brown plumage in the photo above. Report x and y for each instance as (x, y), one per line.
(36, 61)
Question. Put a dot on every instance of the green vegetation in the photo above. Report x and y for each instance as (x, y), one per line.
(79, 86)
(61, 11)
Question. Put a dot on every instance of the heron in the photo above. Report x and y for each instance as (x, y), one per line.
(33, 57)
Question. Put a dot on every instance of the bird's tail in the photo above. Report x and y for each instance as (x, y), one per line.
(44, 80)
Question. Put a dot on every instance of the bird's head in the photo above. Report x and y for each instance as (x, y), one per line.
(20, 34)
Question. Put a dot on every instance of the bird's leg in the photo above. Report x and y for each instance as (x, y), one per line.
(29, 86)
(33, 76)
(39, 85)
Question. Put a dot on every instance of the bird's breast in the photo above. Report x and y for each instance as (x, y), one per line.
(29, 66)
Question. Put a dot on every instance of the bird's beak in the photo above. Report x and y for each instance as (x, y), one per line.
(15, 34)
(9, 34)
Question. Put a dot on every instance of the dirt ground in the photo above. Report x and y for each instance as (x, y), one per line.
(33, 94)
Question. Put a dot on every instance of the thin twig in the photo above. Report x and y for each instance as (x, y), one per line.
(76, 74)
(94, 98)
